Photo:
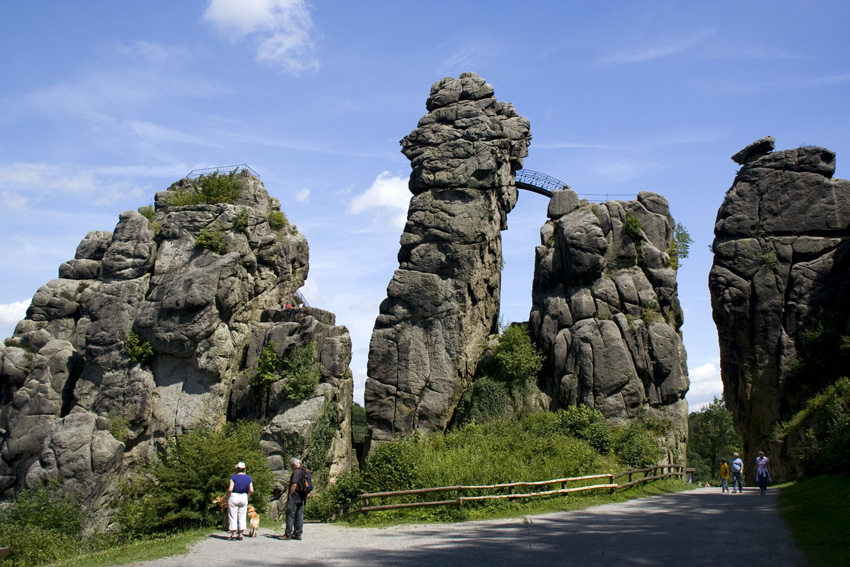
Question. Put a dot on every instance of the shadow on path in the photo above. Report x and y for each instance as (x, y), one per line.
(700, 527)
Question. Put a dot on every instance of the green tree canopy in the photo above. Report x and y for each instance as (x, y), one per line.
(712, 437)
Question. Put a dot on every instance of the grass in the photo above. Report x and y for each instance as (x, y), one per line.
(151, 549)
(519, 508)
(817, 511)
(144, 550)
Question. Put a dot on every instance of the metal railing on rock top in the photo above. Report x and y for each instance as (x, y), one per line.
(221, 169)
(363, 501)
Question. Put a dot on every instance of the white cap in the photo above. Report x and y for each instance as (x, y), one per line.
(240, 465)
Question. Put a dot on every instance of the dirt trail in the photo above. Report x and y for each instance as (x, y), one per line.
(699, 527)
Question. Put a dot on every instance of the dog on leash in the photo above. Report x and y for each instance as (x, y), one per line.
(253, 522)
(221, 502)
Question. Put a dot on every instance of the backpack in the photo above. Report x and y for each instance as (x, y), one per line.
(305, 485)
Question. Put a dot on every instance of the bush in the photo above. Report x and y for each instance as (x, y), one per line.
(216, 188)
(636, 447)
(633, 227)
(240, 223)
(41, 525)
(588, 424)
(175, 492)
(210, 189)
(265, 373)
(826, 422)
(518, 359)
(301, 373)
(277, 220)
(212, 237)
(147, 212)
(140, 352)
(483, 401)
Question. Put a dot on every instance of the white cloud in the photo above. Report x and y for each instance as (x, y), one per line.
(281, 29)
(303, 196)
(22, 185)
(705, 385)
(10, 314)
(388, 195)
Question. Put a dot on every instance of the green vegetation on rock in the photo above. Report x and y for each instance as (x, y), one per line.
(266, 371)
(277, 220)
(633, 227)
(140, 352)
(210, 190)
(212, 237)
(301, 372)
(507, 382)
(680, 245)
(825, 423)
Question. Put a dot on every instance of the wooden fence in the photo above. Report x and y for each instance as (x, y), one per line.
(649, 473)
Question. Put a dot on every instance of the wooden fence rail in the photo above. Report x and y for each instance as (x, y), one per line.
(649, 473)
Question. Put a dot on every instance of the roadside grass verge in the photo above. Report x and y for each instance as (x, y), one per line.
(517, 508)
(817, 511)
(141, 550)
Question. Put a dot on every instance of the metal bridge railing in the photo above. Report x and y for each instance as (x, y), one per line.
(221, 168)
(538, 180)
(546, 184)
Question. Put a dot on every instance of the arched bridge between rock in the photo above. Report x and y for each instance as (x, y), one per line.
(537, 182)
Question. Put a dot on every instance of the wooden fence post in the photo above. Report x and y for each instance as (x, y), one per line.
(611, 481)
(459, 498)
(511, 491)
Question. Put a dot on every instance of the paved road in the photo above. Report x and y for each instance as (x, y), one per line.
(699, 527)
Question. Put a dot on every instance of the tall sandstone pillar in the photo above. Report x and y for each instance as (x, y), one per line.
(443, 301)
(781, 265)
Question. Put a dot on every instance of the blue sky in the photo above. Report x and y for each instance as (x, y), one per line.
(104, 103)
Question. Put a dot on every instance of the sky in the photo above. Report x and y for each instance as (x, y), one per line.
(104, 103)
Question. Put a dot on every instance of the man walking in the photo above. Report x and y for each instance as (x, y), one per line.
(295, 502)
(737, 467)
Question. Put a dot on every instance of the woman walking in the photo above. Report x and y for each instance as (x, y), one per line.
(762, 472)
(241, 486)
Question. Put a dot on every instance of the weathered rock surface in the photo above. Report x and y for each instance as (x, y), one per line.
(780, 262)
(67, 384)
(606, 314)
(443, 301)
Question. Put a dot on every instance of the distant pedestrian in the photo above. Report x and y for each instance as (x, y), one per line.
(241, 486)
(724, 477)
(737, 468)
(762, 472)
(295, 502)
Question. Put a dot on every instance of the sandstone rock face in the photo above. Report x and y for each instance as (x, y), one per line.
(780, 262)
(443, 301)
(606, 314)
(67, 383)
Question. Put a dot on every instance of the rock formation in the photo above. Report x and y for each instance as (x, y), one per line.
(443, 301)
(780, 266)
(605, 311)
(66, 378)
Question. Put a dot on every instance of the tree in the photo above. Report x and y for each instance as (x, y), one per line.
(712, 437)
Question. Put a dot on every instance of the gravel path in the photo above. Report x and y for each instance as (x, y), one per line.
(698, 527)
